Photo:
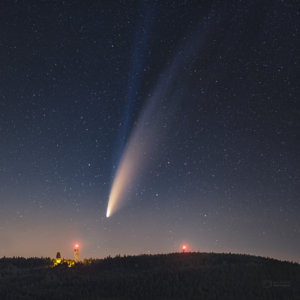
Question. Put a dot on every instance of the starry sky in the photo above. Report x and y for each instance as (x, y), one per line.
(212, 90)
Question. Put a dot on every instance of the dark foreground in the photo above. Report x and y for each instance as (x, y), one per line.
(172, 276)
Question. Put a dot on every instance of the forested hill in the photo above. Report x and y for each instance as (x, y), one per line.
(165, 276)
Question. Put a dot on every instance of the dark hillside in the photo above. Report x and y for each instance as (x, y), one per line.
(169, 276)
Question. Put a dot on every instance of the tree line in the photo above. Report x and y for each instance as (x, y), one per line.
(164, 276)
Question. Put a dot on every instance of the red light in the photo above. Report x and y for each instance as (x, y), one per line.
(183, 247)
(76, 246)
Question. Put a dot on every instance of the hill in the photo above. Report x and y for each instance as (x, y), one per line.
(165, 276)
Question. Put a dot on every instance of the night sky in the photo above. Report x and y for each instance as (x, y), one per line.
(206, 96)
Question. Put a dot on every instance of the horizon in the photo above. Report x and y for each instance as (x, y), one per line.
(152, 254)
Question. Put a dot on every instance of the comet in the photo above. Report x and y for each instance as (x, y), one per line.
(160, 114)
(133, 159)
(137, 154)
(152, 126)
